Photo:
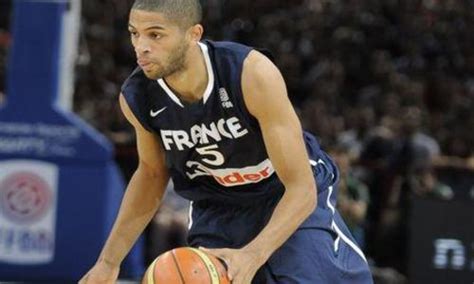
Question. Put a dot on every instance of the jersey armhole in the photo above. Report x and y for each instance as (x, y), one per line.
(242, 104)
(131, 100)
(235, 57)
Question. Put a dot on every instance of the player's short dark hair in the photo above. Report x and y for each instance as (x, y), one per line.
(185, 13)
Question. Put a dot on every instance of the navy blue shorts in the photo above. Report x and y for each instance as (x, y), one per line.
(322, 250)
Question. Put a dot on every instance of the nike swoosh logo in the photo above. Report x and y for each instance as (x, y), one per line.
(155, 113)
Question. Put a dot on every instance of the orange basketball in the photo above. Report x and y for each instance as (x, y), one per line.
(186, 265)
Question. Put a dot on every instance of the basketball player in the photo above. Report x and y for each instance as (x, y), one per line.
(215, 117)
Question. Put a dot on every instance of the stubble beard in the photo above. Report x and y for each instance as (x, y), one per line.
(174, 63)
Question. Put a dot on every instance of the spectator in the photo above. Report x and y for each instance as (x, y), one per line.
(353, 197)
(428, 185)
(352, 68)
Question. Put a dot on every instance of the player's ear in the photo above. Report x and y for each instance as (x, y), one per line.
(195, 32)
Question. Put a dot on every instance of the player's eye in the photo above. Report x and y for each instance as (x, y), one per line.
(133, 33)
(155, 36)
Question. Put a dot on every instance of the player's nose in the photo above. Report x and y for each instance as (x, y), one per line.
(141, 47)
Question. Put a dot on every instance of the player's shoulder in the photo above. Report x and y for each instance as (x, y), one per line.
(134, 90)
(235, 49)
(223, 50)
(227, 45)
(135, 82)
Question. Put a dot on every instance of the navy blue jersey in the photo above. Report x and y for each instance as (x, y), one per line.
(214, 147)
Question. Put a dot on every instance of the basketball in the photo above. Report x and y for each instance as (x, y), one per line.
(186, 265)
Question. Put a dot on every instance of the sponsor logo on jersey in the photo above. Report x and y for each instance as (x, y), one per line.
(156, 113)
(232, 176)
(224, 96)
(203, 134)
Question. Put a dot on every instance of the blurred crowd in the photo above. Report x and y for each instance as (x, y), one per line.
(387, 86)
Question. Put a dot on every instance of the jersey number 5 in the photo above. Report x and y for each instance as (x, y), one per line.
(215, 158)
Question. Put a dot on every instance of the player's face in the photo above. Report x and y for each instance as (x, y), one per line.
(161, 46)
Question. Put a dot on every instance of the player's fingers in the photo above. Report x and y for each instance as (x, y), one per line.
(230, 276)
(234, 273)
(221, 254)
(248, 278)
(228, 265)
(244, 275)
(223, 258)
(238, 279)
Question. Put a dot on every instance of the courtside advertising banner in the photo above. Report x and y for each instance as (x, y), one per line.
(28, 195)
(60, 188)
(441, 241)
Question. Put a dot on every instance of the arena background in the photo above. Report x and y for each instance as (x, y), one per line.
(387, 86)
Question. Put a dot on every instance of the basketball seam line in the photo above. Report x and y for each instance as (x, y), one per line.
(177, 266)
(207, 268)
(151, 272)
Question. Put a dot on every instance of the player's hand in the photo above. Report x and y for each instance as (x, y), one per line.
(101, 273)
(242, 264)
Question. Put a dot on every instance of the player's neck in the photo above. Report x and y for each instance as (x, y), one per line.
(190, 83)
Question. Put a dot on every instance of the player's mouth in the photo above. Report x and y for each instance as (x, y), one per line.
(144, 63)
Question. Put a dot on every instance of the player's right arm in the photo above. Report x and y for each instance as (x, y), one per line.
(141, 200)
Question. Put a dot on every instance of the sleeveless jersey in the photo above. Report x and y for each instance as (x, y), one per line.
(214, 147)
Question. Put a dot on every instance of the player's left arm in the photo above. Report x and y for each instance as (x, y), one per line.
(266, 99)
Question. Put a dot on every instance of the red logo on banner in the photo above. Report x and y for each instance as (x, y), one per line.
(24, 197)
